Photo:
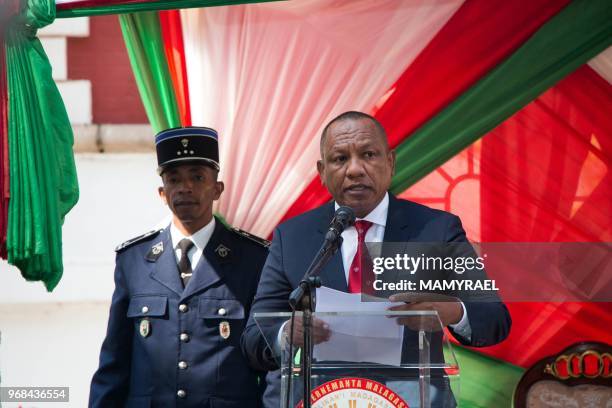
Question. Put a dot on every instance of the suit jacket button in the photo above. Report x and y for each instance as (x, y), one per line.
(181, 393)
(182, 365)
(183, 308)
(184, 337)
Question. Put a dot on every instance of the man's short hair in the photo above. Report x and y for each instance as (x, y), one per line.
(353, 115)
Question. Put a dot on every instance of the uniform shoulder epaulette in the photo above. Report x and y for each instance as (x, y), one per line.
(263, 242)
(138, 239)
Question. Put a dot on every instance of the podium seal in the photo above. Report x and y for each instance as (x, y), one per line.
(354, 392)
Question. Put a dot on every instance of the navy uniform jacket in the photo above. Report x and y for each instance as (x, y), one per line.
(155, 324)
(296, 242)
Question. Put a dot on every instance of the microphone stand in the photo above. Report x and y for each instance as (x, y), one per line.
(303, 298)
(308, 306)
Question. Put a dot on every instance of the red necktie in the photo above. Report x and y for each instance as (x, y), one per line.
(361, 262)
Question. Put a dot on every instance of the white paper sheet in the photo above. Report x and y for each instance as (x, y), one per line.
(360, 338)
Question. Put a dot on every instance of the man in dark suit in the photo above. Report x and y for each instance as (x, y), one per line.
(182, 295)
(356, 166)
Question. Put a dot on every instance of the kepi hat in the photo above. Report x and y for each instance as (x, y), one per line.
(187, 144)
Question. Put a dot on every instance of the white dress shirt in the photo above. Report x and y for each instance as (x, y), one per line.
(200, 239)
(376, 233)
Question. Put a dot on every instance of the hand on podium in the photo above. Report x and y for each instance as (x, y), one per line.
(320, 331)
(449, 309)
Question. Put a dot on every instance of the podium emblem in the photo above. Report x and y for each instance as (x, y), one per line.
(354, 392)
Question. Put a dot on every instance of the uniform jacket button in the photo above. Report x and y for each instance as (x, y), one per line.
(183, 308)
(182, 365)
(181, 393)
(184, 337)
(145, 309)
(222, 312)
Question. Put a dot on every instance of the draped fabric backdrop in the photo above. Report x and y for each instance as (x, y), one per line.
(40, 185)
(281, 71)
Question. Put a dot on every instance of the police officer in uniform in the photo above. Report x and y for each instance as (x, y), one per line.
(182, 295)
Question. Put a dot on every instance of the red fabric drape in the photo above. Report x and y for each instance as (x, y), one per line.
(172, 33)
(7, 10)
(546, 177)
(542, 170)
(478, 37)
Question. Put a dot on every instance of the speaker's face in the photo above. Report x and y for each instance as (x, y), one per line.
(356, 164)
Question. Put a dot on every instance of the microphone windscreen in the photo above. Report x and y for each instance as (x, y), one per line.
(345, 216)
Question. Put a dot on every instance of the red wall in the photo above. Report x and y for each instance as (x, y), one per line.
(102, 59)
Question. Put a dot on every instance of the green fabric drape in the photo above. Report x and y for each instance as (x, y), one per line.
(43, 181)
(484, 381)
(150, 6)
(144, 43)
(579, 32)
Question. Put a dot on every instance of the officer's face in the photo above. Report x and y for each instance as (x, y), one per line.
(189, 190)
(356, 164)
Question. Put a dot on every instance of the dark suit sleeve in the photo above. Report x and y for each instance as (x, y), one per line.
(110, 383)
(272, 296)
(489, 318)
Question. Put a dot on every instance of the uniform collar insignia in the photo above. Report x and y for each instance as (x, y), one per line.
(158, 248)
(155, 251)
(222, 251)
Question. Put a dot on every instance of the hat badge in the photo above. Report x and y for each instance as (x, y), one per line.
(184, 142)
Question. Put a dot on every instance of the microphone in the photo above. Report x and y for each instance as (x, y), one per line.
(344, 217)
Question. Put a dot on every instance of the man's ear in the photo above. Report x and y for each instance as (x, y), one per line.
(321, 170)
(219, 187)
(162, 194)
(392, 159)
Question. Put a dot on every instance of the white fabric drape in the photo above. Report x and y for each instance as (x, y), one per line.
(602, 64)
(269, 76)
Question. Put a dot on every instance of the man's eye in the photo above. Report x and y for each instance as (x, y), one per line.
(369, 154)
(198, 177)
(339, 159)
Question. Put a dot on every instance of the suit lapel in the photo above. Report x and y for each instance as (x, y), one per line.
(396, 229)
(165, 270)
(217, 257)
(332, 275)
